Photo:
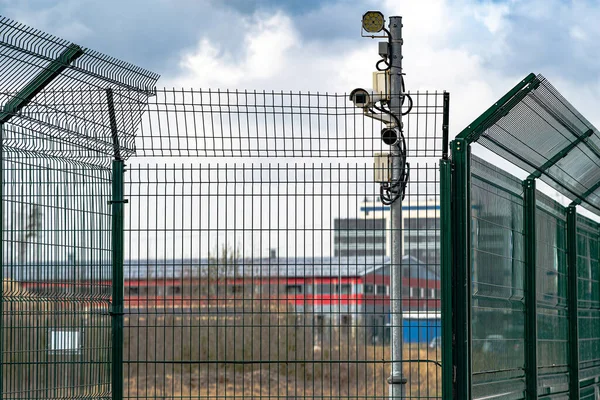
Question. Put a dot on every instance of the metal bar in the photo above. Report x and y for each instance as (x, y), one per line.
(113, 124)
(584, 196)
(561, 154)
(572, 302)
(396, 380)
(529, 222)
(445, 125)
(2, 261)
(24, 96)
(578, 198)
(446, 277)
(571, 129)
(472, 132)
(117, 278)
(461, 269)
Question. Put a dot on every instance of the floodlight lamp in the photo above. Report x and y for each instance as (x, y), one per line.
(373, 21)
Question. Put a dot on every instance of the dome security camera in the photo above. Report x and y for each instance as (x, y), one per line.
(390, 136)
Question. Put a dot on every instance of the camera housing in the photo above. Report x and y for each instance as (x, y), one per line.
(365, 98)
(390, 136)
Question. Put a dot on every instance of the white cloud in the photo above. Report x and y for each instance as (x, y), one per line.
(266, 43)
(492, 15)
(577, 33)
(476, 50)
(275, 56)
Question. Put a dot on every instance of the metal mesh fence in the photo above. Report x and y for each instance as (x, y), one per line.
(506, 241)
(588, 293)
(257, 252)
(544, 134)
(552, 307)
(206, 123)
(55, 334)
(523, 267)
(498, 282)
(258, 265)
(65, 111)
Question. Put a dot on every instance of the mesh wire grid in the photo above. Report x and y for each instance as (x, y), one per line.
(588, 292)
(553, 317)
(498, 312)
(210, 303)
(207, 123)
(56, 281)
(188, 287)
(234, 287)
(255, 277)
(66, 110)
(534, 132)
(498, 280)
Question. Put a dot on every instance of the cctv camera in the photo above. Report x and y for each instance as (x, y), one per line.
(364, 98)
(389, 136)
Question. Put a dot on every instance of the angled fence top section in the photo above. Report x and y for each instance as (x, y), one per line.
(64, 101)
(26, 51)
(537, 129)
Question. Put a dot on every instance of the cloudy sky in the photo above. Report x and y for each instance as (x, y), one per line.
(475, 49)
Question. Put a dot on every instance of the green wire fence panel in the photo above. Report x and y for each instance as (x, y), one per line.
(65, 111)
(552, 312)
(258, 267)
(498, 316)
(524, 267)
(232, 123)
(256, 277)
(56, 284)
(588, 290)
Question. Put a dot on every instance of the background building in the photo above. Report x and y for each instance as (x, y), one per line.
(369, 235)
(359, 237)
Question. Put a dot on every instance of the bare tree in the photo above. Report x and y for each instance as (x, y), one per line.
(29, 231)
(221, 267)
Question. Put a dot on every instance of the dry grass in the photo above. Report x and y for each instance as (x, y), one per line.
(29, 368)
(261, 353)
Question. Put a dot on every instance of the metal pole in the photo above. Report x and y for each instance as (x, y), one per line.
(118, 217)
(2, 261)
(396, 380)
(446, 277)
(572, 302)
(531, 336)
(116, 309)
(461, 268)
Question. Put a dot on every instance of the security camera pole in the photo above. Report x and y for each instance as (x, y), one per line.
(397, 380)
(392, 190)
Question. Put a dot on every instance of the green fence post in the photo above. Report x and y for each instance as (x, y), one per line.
(118, 217)
(117, 253)
(461, 269)
(572, 302)
(446, 277)
(116, 310)
(2, 262)
(529, 221)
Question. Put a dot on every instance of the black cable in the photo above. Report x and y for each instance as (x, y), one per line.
(389, 193)
(383, 60)
(410, 107)
(406, 95)
(383, 110)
